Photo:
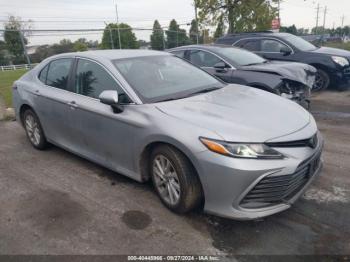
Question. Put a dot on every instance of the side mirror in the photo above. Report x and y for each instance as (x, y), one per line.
(111, 98)
(220, 67)
(285, 50)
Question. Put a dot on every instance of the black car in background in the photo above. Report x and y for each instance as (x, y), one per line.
(234, 65)
(332, 64)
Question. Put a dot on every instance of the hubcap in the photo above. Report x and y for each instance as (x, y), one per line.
(166, 180)
(33, 130)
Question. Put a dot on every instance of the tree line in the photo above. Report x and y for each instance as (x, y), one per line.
(223, 16)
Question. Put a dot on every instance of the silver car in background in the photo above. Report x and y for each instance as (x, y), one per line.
(241, 152)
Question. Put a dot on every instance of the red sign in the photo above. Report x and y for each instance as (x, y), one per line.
(275, 24)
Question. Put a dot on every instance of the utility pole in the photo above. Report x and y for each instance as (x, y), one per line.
(24, 47)
(116, 11)
(342, 26)
(197, 26)
(324, 19)
(317, 16)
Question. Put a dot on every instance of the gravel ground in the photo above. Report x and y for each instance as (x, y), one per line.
(53, 202)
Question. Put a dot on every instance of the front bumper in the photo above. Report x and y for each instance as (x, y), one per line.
(341, 78)
(227, 181)
(297, 92)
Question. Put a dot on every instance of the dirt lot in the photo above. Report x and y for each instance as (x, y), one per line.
(53, 202)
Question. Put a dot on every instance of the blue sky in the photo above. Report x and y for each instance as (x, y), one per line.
(63, 14)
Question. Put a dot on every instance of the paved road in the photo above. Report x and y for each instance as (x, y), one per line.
(53, 202)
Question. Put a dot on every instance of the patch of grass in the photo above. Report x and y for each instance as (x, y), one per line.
(6, 81)
(345, 46)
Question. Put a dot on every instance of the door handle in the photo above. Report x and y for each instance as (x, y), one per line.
(37, 92)
(73, 105)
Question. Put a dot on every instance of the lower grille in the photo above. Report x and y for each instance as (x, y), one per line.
(346, 71)
(272, 190)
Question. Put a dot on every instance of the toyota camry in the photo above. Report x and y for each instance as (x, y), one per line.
(238, 151)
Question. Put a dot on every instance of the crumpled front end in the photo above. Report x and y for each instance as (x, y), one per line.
(296, 91)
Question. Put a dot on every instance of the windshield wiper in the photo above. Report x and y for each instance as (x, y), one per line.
(256, 63)
(206, 90)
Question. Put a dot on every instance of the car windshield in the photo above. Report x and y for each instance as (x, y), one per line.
(164, 77)
(299, 42)
(240, 57)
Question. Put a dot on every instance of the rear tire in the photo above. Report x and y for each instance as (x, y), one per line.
(175, 179)
(34, 130)
(322, 81)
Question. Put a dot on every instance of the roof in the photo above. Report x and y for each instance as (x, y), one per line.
(112, 54)
(212, 47)
(267, 33)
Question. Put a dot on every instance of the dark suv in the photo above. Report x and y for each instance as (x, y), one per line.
(332, 64)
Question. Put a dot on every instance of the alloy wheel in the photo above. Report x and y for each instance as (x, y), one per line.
(33, 130)
(166, 180)
(320, 82)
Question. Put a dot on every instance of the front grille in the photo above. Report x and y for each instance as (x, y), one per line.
(273, 190)
(310, 142)
(347, 71)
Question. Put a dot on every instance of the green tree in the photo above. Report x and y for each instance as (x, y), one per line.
(157, 37)
(127, 37)
(247, 15)
(289, 29)
(12, 37)
(220, 29)
(172, 34)
(80, 46)
(183, 39)
(193, 32)
(4, 55)
(176, 36)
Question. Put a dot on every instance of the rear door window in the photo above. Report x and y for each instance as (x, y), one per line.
(58, 73)
(251, 45)
(43, 74)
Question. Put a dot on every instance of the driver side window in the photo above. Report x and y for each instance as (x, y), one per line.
(91, 80)
(203, 59)
(272, 46)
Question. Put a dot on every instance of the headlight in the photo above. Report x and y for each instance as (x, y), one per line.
(340, 60)
(254, 151)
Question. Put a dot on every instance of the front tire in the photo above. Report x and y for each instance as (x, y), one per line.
(34, 130)
(322, 81)
(175, 179)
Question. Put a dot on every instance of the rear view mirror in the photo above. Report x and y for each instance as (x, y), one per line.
(220, 66)
(285, 50)
(111, 98)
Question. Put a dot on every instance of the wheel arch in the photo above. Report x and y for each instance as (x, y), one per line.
(320, 66)
(22, 109)
(144, 157)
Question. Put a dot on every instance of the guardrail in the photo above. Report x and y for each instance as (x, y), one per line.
(16, 67)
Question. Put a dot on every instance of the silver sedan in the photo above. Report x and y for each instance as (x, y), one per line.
(240, 152)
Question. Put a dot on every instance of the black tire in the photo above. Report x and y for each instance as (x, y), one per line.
(38, 143)
(190, 193)
(322, 81)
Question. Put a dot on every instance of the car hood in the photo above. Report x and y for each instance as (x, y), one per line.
(332, 51)
(299, 72)
(240, 113)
